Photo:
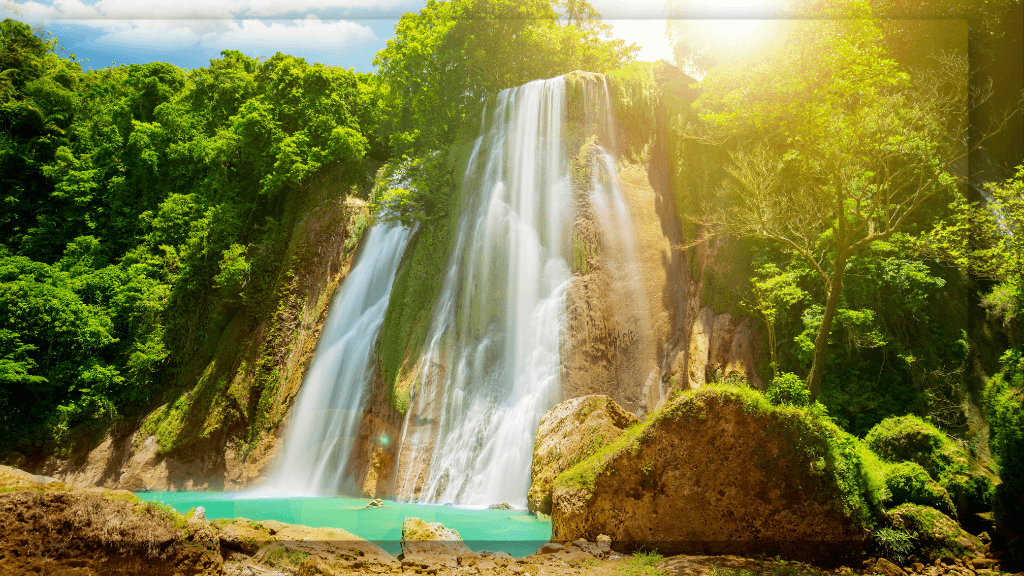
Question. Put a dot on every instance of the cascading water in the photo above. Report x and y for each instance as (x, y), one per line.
(330, 402)
(491, 366)
(492, 362)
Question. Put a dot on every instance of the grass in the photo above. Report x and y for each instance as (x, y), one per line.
(281, 556)
(641, 564)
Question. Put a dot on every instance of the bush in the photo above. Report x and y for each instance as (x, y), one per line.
(892, 544)
(787, 388)
(934, 534)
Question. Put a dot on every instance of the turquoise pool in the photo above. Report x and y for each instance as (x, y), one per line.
(512, 531)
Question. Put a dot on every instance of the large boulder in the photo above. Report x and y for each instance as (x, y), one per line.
(721, 471)
(935, 535)
(430, 543)
(911, 439)
(568, 434)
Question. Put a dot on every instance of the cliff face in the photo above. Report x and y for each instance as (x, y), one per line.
(221, 428)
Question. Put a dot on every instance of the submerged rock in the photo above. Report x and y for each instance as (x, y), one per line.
(568, 434)
(720, 471)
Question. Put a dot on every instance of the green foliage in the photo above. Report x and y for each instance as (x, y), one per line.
(641, 564)
(787, 388)
(987, 240)
(446, 59)
(634, 97)
(911, 439)
(1004, 406)
(142, 204)
(892, 544)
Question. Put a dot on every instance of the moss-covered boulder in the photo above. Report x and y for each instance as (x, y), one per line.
(911, 439)
(568, 434)
(721, 471)
(908, 482)
(935, 535)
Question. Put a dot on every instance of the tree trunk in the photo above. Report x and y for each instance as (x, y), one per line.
(821, 340)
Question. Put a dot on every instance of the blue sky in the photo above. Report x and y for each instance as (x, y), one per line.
(188, 33)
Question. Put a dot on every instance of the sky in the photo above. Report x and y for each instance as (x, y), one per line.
(188, 33)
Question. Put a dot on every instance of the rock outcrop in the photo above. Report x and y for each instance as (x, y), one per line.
(568, 434)
(936, 536)
(719, 470)
(48, 528)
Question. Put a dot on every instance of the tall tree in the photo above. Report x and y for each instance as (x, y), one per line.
(834, 146)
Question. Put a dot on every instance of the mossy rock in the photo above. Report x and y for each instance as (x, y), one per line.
(720, 470)
(911, 439)
(909, 483)
(568, 434)
(936, 535)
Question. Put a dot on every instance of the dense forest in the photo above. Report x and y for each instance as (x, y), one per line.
(145, 205)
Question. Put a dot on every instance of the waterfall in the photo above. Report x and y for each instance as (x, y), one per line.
(491, 365)
(330, 402)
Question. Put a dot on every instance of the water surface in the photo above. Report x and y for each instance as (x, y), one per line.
(513, 531)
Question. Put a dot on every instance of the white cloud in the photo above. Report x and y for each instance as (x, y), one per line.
(194, 10)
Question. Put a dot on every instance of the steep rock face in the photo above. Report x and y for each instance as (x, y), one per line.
(568, 434)
(719, 471)
(224, 431)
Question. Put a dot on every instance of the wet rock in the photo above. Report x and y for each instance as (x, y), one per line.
(568, 434)
(374, 503)
(501, 506)
(550, 548)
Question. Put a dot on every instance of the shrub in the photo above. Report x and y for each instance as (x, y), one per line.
(893, 544)
(788, 388)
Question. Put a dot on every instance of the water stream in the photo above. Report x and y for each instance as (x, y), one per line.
(322, 424)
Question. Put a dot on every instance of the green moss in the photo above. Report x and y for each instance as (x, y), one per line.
(635, 96)
(935, 535)
(641, 564)
(908, 482)
(911, 439)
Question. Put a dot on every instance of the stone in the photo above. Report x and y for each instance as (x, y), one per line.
(315, 566)
(199, 513)
(431, 542)
(938, 536)
(551, 548)
(569, 433)
(374, 503)
(711, 473)
(918, 567)
(242, 535)
(502, 506)
(887, 568)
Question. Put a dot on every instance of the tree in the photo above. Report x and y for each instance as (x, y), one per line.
(834, 146)
(449, 57)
